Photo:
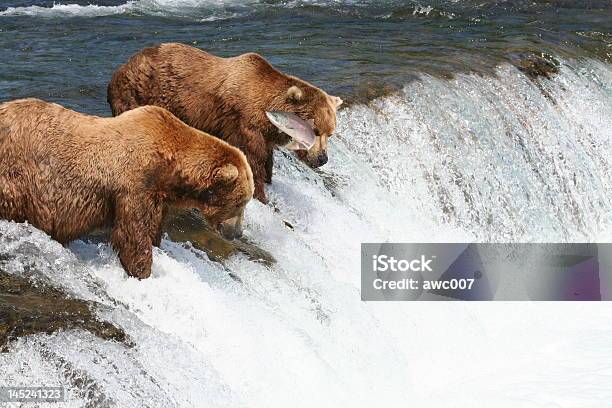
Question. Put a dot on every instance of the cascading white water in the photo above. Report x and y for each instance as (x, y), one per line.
(499, 156)
(473, 158)
(189, 9)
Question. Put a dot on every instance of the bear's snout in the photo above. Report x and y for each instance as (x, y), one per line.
(312, 158)
(231, 229)
(321, 159)
(231, 233)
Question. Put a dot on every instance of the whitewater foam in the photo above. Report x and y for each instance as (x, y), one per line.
(195, 10)
(495, 158)
(502, 156)
(202, 10)
(68, 10)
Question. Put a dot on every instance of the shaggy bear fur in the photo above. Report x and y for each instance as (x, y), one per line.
(226, 97)
(67, 173)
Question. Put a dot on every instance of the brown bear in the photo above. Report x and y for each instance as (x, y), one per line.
(228, 98)
(68, 173)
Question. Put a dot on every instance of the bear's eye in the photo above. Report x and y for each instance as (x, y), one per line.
(317, 132)
(204, 195)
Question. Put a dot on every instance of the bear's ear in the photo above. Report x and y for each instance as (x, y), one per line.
(226, 174)
(336, 101)
(295, 94)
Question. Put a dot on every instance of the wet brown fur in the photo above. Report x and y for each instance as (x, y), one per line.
(68, 173)
(226, 97)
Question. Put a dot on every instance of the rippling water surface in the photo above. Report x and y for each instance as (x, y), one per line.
(68, 51)
(444, 139)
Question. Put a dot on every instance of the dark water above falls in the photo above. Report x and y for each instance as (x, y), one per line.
(470, 121)
(68, 51)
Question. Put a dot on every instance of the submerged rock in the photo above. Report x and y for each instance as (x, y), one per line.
(366, 91)
(536, 66)
(189, 226)
(28, 307)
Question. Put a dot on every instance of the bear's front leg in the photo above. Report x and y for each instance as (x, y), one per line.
(157, 233)
(137, 224)
(256, 151)
(269, 162)
(258, 180)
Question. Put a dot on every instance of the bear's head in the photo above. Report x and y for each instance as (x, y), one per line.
(221, 192)
(318, 109)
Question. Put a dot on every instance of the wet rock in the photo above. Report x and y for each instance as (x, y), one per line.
(537, 65)
(189, 226)
(28, 307)
(366, 91)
